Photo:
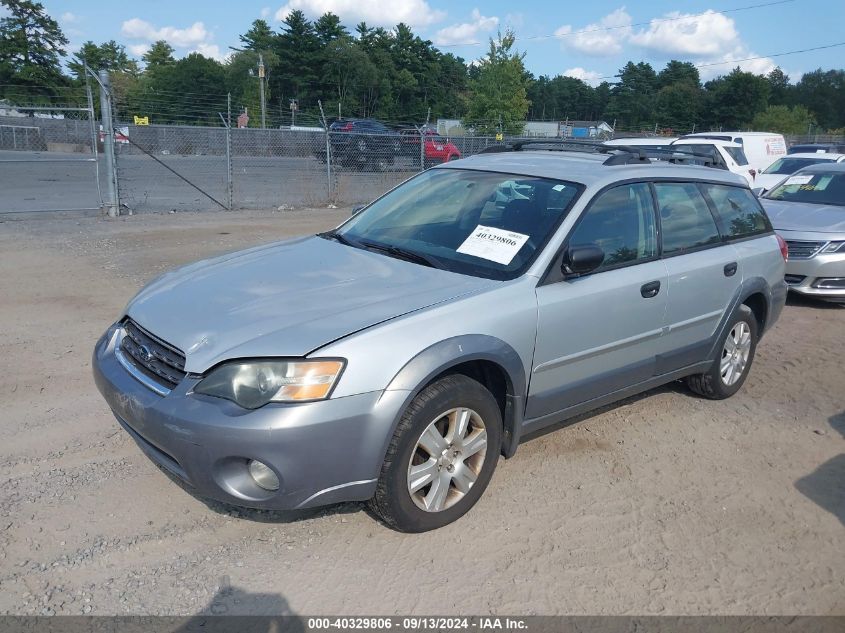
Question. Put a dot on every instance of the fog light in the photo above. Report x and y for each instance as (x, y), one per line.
(263, 475)
(830, 283)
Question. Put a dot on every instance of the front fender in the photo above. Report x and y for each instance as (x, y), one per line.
(444, 355)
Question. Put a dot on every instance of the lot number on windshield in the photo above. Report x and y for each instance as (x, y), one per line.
(493, 244)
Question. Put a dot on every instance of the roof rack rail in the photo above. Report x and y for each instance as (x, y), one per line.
(619, 154)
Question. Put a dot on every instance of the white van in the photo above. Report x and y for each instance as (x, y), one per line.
(761, 148)
(726, 154)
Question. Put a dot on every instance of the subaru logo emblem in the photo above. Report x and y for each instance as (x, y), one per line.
(146, 354)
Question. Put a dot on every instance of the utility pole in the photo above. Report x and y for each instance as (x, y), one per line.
(112, 203)
(261, 83)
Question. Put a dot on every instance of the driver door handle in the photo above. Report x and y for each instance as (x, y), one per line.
(650, 289)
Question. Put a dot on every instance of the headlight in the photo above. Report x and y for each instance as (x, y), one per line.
(252, 384)
(834, 247)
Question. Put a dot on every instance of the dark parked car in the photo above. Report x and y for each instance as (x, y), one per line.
(834, 148)
(364, 144)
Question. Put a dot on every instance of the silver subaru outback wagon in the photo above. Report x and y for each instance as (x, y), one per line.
(395, 358)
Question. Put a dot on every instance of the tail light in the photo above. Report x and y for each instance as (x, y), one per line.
(346, 128)
(784, 250)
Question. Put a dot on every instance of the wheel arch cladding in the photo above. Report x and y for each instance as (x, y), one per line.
(487, 359)
(760, 307)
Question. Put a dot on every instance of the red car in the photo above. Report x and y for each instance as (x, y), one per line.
(438, 149)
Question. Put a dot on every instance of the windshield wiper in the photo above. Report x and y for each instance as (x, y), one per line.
(401, 253)
(338, 237)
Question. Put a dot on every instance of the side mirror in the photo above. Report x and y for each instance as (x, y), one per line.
(582, 259)
(357, 209)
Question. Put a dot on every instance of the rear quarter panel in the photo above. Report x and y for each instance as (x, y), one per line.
(760, 259)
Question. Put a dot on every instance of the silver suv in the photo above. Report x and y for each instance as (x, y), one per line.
(395, 358)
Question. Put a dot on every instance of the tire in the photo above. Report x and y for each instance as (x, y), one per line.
(729, 371)
(444, 485)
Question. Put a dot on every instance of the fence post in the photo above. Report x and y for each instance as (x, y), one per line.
(229, 184)
(422, 147)
(328, 153)
(112, 203)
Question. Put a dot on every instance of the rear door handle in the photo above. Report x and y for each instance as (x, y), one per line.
(650, 289)
(730, 269)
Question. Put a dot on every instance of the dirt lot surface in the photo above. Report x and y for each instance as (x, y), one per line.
(665, 503)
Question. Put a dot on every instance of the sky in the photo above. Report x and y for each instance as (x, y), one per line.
(589, 40)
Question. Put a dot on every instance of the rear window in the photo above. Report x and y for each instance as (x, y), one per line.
(685, 219)
(740, 213)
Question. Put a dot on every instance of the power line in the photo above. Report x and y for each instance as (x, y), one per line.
(748, 59)
(628, 26)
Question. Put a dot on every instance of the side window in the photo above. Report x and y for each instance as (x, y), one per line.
(621, 222)
(685, 219)
(739, 211)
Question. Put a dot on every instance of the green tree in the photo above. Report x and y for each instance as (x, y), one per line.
(31, 47)
(298, 50)
(676, 72)
(632, 99)
(170, 94)
(783, 119)
(822, 92)
(780, 90)
(242, 82)
(677, 106)
(499, 100)
(734, 100)
(109, 56)
(561, 98)
(160, 54)
(328, 28)
(259, 37)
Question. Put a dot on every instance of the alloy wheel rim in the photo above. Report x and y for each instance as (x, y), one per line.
(735, 353)
(447, 459)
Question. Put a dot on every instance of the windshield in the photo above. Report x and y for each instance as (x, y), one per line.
(811, 188)
(787, 166)
(473, 222)
(737, 154)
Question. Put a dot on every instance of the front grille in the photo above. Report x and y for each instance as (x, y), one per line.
(801, 249)
(156, 359)
(793, 280)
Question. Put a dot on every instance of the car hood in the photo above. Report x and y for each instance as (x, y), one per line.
(800, 216)
(286, 299)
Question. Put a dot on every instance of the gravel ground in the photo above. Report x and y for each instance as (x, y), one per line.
(662, 504)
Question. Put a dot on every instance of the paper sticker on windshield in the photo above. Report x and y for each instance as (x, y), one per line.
(494, 244)
(798, 180)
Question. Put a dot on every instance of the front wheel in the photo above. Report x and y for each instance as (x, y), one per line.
(441, 457)
(731, 366)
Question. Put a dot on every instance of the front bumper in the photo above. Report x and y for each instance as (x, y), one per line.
(322, 452)
(804, 276)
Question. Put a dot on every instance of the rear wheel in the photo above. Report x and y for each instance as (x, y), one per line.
(731, 366)
(441, 457)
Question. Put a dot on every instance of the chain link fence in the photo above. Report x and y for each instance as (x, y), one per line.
(172, 167)
(49, 159)
(187, 168)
